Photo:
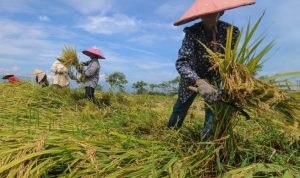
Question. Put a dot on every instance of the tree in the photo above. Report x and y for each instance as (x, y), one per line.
(174, 84)
(170, 87)
(99, 88)
(140, 87)
(152, 86)
(175, 81)
(298, 83)
(116, 80)
(164, 86)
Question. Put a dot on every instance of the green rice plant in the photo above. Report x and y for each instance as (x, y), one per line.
(262, 170)
(242, 93)
(126, 137)
(282, 80)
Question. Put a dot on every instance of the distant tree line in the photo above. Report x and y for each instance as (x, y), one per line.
(167, 87)
(117, 82)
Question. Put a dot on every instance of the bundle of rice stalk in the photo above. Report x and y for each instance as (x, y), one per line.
(69, 57)
(242, 93)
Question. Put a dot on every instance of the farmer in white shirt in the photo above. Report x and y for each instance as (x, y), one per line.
(61, 74)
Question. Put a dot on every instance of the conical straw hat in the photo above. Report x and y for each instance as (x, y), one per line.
(93, 52)
(40, 74)
(204, 7)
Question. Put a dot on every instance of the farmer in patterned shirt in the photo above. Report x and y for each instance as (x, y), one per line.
(91, 73)
(193, 64)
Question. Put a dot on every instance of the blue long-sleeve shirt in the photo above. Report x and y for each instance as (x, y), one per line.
(192, 63)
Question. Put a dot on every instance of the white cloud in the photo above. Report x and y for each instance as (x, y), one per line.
(120, 46)
(15, 6)
(91, 6)
(28, 44)
(147, 39)
(14, 69)
(157, 38)
(12, 29)
(173, 9)
(9, 70)
(140, 67)
(147, 52)
(107, 25)
(151, 33)
(150, 65)
(4, 61)
(157, 26)
(44, 18)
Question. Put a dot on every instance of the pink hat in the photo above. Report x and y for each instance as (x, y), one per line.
(204, 7)
(93, 52)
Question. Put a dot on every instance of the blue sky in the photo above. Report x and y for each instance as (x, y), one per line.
(136, 36)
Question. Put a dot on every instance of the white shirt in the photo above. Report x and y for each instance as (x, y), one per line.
(61, 76)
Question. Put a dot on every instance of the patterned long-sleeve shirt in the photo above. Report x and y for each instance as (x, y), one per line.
(91, 73)
(192, 63)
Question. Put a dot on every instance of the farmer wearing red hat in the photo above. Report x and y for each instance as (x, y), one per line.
(91, 74)
(11, 78)
(192, 63)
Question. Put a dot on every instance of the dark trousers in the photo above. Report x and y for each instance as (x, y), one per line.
(89, 93)
(207, 131)
(180, 111)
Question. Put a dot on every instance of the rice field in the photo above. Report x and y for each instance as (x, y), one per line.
(49, 132)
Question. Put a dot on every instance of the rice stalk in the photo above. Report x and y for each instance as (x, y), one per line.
(69, 57)
(241, 91)
(84, 137)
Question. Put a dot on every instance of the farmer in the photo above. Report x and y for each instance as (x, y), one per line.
(193, 64)
(11, 78)
(61, 74)
(41, 78)
(91, 73)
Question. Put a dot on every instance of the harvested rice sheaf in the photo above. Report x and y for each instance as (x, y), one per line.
(246, 91)
(242, 93)
(69, 57)
(237, 68)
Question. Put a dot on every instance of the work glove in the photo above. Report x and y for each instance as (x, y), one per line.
(80, 68)
(207, 91)
(71, 74)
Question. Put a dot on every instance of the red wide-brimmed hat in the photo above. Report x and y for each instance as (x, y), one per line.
(93, 52)
(204, 7)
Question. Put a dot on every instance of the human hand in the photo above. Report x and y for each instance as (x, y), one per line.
(206, 90)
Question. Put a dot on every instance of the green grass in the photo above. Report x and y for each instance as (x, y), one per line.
(47, 132)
